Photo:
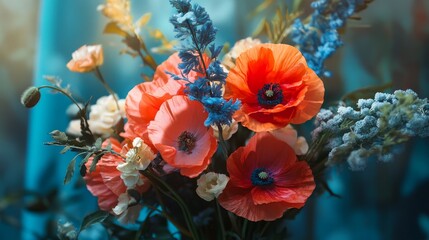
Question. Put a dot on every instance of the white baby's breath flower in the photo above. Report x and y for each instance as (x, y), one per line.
(103, 117)
(289, 135)
(227, 130)
(238, 48)
(211, 185)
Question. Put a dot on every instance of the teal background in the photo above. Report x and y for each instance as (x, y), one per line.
(390, 43)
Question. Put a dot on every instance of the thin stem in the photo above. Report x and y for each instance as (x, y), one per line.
(194, 39)
(64, 93)
(220, 219)
(244, 229)
(111, 92)
(173, 195)
(261, 233)
(222, 141)
(146, 62)
(232, 218)
(151, 62)
(169, 218)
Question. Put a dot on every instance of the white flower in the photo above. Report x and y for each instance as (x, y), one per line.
(227, 130)
(74, 128)
(129, 174)
(126, 213)
(211, 185)
(103, 117)
(137, 158)
(123, 202)
(289, 135)
(238, 48)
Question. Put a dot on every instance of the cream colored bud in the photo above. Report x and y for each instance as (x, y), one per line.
(211, 185)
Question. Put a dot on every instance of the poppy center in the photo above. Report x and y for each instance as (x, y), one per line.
(260, 177)
(270, 95)
(186, 142)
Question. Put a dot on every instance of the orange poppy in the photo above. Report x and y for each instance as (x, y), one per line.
(179, 134)
(266, 179)
(143, 101)
(275, 87)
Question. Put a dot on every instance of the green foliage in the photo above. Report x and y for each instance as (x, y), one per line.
(93, 218)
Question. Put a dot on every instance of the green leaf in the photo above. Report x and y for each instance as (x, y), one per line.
(98, 143)
(59, 136)
(65, 149)
(95, 160)
(82, 166)
(95, 217)
(70, 170)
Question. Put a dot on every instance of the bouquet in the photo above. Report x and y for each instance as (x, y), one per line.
(207, 146)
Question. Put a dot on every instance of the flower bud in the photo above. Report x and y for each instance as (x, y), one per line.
(86, 58)
(30, 97)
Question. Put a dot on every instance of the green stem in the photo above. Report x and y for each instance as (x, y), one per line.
(220, 219)
(168, 191)
(169, 218)
(244, 229)
(109, 90)
(222, 141)
(64, 93)
(261, 233)
(233, 219)
(151, 62)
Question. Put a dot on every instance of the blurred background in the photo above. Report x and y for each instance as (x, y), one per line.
(37, 37)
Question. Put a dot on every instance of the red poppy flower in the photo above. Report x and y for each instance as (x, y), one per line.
(266, 179)
(275, 87)
(179, 134)
(105, 181)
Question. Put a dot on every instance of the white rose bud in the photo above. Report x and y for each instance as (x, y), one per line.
(211, 185)
(227, 130)
(289, 135)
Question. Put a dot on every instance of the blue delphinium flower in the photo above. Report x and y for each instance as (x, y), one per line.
(373, 128)
(319, 39)
(194, 28)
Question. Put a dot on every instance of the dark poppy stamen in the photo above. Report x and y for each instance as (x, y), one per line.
(186, 142)
(270, 95)
(260, 177)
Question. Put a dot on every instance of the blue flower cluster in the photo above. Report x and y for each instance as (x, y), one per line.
(196, 32)
(319, 39)
(374, 128)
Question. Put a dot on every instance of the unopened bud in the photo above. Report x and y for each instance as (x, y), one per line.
(30, 97)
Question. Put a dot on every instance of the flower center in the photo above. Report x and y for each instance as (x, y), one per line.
(270, 95)
(186, 142)
(260, 177)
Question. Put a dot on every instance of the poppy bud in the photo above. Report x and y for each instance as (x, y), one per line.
(30, 97)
